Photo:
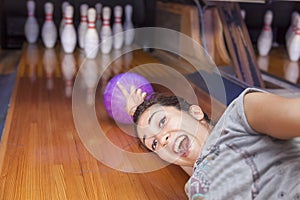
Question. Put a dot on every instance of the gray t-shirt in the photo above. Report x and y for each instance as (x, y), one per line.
(239, 163)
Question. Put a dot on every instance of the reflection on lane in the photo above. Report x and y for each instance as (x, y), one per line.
(291, 72)
(54, 67)
(68, 68)
(32, 58)
(49, 63)
(90, 74)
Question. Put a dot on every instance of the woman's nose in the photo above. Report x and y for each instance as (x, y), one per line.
(164, 139)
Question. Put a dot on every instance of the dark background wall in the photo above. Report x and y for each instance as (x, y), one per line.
(14, 12)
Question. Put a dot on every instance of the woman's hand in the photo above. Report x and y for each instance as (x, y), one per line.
(133, 99)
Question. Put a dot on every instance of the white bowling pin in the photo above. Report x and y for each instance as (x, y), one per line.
(290, 32)
(291, 72)
(98, 7)
(49, 31)
(243, 13)
(83, 25)
(91, 39)
(31, 28)
(62, 22)
(118, 28)
(128, 26)
(49, 63)
(68, 70)
(294, 43)
(68, 35)
(264, 42)
(106, 32)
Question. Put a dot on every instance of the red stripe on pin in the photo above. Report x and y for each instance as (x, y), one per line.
(105, 22)
(267, 28)
(48, 17)
(118, 20)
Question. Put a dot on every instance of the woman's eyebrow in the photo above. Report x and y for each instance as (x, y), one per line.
(149, 121)
(150, 118)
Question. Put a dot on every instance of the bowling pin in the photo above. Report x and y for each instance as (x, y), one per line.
(98, 7)
(49, 63)
(293, 47)
(118, 28)
(106, 32)
(83, 25)
(290, 32)
(243, 13)
(128, 26)
(62, 22)
(49, 31)
(91, 39)
(68, 35)
(264, 42)
(31, 28)
(68, 70)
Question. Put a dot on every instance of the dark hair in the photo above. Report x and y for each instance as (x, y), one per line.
(156, 98)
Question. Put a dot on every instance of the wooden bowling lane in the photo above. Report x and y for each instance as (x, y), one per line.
(278, 64)
(43, 157)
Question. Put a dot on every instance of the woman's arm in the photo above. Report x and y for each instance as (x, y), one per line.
(273, 115)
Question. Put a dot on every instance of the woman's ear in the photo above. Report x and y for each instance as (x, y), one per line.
(196, 112)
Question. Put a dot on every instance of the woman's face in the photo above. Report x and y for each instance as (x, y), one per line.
(176, 136)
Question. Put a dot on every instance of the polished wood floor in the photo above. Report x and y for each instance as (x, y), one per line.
(9, 60)
(44, 157)
(278, 64)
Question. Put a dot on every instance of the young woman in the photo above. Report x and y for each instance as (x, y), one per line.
(251, 153)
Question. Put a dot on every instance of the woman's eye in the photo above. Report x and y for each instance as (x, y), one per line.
(154, 144)
(162, 122)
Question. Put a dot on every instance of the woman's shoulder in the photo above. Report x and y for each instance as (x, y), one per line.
(234, 116)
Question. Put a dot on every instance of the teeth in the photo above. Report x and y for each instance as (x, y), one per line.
(180, 145)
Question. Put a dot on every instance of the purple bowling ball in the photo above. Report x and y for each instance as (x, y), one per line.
(113, 99)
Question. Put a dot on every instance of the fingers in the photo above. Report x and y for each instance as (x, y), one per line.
(140, 94)
(132, 111)
(132, 89)
(134, 97)
(123, 89)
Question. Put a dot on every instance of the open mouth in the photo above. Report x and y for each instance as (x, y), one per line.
(181, 145)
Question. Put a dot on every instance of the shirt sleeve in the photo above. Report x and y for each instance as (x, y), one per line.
(241, 116)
